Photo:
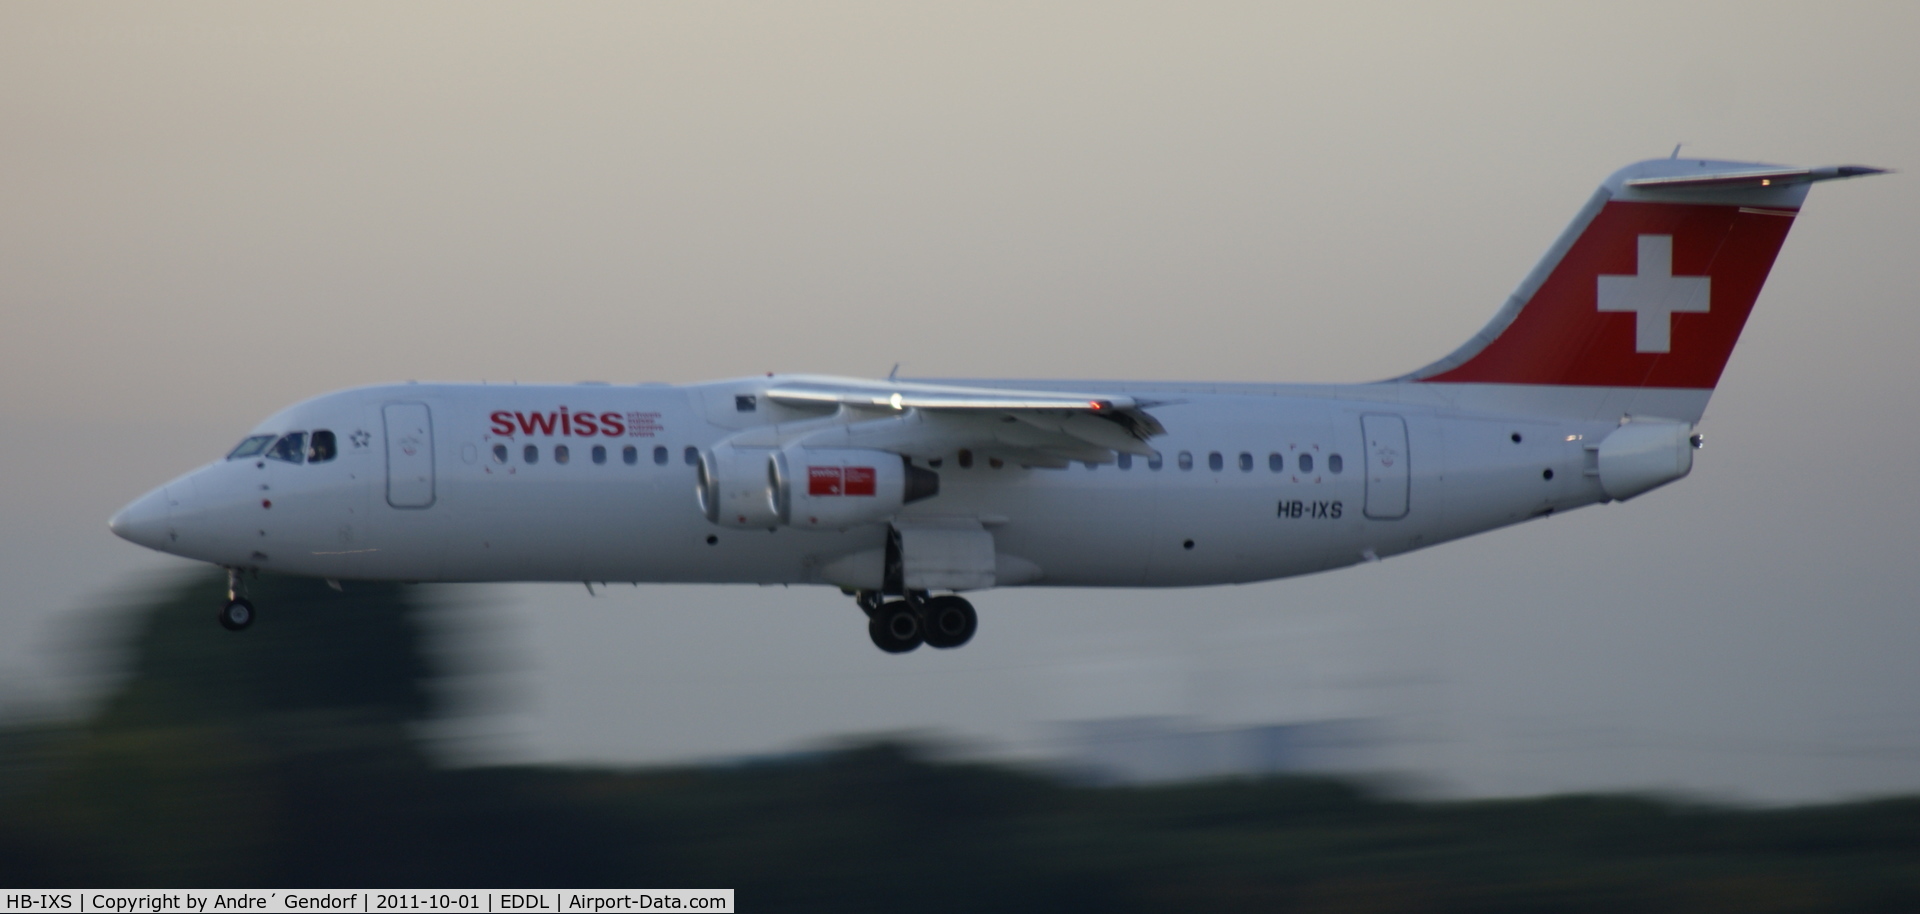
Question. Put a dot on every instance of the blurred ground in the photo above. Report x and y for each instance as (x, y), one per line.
(294, 755)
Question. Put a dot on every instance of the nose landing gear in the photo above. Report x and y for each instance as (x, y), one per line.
(238, 613)
(899, 626)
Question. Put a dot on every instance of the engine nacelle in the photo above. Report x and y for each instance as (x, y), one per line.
(736, 485)
(1640, 456)
(823, 489)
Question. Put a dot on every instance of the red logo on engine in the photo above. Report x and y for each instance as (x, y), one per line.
(841, 481)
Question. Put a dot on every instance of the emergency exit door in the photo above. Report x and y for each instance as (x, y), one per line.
(409, 455)
(1388, 475)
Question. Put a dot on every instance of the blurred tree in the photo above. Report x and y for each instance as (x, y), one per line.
(190, 770)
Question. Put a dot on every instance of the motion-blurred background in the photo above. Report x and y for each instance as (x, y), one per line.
(208, 211)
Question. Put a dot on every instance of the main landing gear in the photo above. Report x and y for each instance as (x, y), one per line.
(237, 614)
(898, 626)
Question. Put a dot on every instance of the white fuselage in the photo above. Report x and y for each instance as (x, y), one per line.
(443, 505)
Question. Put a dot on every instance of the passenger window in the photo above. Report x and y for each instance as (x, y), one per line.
(499, 453)
(322, 448)
(530, 454)
(1246, 462)
(561, 454)
(1306, 463)
(965, 459)
(599, 453)
(1276, 463)
(1215, 461)
(1186, 460)
(250, 446)
(1155, 462)
(692, 456)
(660, 455)
(630, 454)
(1124, 461)
(1334, 463)
(292, 447)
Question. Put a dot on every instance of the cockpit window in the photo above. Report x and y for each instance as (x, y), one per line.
(322, 448)
(292, 447)
(250, 446)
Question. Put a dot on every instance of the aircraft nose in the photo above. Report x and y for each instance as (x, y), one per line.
(145, 521)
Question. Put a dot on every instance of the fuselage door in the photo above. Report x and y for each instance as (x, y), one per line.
(1387, 466)
(409, 455)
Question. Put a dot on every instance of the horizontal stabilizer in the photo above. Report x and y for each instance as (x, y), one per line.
(1749, 178)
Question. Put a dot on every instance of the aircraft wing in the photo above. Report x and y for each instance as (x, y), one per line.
(1036, 428)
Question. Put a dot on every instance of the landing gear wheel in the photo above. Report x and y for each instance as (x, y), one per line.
(236, 615)
(895, 627)
(950, 621)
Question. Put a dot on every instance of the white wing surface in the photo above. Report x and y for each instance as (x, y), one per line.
(1034, 428)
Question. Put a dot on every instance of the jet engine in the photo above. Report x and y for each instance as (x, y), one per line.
(735, 486)
(822, 489)
(1640, 456)
(808, 488)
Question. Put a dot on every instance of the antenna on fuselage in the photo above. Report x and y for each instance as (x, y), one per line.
(895, 371)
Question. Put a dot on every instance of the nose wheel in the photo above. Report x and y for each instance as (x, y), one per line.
(238, 612)
(236, 615)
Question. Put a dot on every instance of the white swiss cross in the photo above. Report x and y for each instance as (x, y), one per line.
(1654, 295)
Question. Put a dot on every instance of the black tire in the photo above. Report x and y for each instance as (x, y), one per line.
(236, 615)
(950, 622)
(895, 628)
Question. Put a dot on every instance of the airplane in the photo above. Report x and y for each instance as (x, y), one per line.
(1584, 388)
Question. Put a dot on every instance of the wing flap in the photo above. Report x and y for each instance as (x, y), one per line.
(1093, 430)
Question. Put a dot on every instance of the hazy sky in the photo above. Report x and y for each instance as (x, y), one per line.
(210, 211)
